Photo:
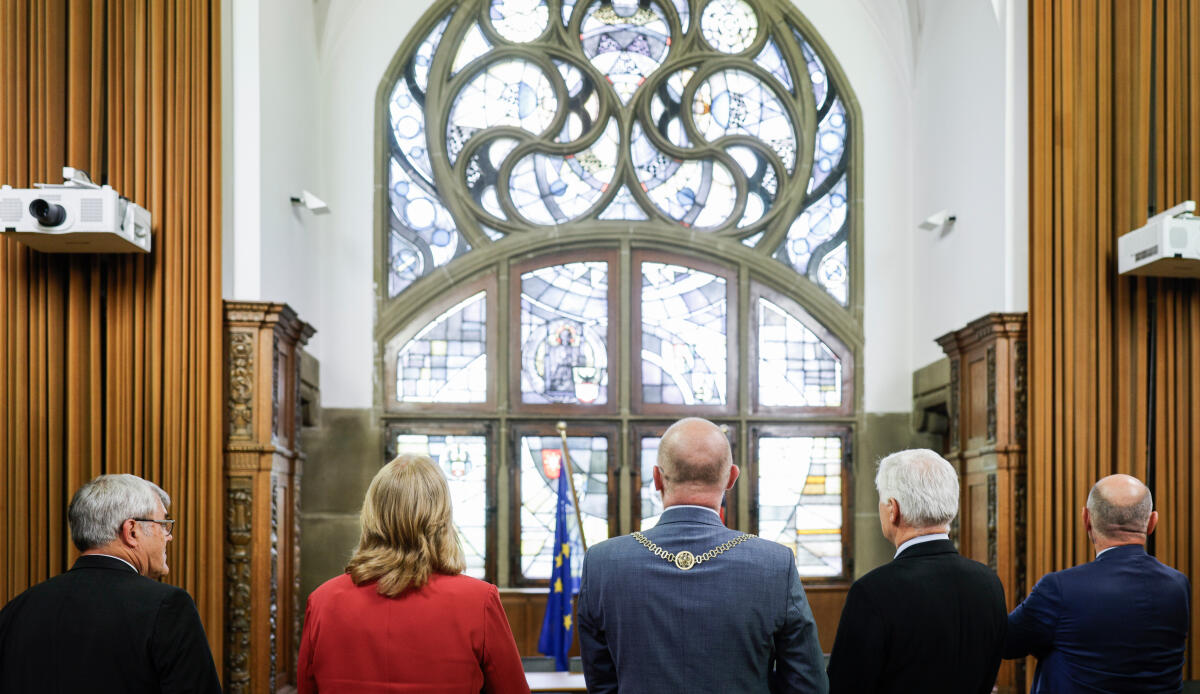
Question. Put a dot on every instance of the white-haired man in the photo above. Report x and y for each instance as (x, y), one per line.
(929, 621)
(105, 625)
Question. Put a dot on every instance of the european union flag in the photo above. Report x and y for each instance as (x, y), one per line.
(557, 626)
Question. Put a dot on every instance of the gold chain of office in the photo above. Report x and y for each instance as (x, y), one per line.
(684, 559)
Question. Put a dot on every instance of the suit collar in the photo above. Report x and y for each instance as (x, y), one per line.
(925, 549)
(1121, 552)
(102, 561)
(690, 514)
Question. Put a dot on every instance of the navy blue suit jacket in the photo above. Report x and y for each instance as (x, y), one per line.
(101, 627)
(738, 623)
(1116, 624)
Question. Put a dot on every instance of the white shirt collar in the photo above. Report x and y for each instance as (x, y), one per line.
(918, 540)
(118, 559)
(692, 506)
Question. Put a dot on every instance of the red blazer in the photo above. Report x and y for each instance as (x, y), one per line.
(449, 635)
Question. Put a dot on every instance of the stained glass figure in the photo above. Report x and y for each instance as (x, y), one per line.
(463, 460)
(519, 21)
(626, 42)
(541, 463)
(564, 334)
(729, 26)
(684, 350)
(447, 360)
(795, 368)
(652, 505)
(511, 92)
(800, 499)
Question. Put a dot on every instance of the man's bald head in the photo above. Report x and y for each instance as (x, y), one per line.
(1120, 507)
(694, 453)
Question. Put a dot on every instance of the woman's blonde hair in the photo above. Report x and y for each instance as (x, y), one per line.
(407, 530)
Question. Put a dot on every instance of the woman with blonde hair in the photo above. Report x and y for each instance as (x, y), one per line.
(403, 618)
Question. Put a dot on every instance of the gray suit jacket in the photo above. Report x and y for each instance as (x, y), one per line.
(738, 623)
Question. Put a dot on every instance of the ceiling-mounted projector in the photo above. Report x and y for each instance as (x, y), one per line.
(75, 217)
(1168, 246)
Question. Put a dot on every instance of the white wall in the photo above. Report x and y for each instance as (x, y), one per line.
(921, 148)
(970, 125)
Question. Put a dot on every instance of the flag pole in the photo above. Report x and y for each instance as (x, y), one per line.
(562, 432)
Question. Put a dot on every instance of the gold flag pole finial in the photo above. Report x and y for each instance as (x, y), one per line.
(566, 467)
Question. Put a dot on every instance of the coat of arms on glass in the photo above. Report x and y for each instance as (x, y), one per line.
(512, 116)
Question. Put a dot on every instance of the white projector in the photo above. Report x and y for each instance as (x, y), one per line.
(1168, 246)
(75, 217)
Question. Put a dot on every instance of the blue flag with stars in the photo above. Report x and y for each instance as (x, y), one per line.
(558, 624)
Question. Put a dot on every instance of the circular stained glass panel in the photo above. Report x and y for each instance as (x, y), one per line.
(729, 26)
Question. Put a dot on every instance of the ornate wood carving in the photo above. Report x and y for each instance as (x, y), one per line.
(261, 459)
(241, 384)
(954, 418)
(991, 520)
(991, 393)
(1020, 393)
(238, 515)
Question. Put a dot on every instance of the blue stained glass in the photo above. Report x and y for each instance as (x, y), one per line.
(463, 460)
(697, 193)
(830, 144)
(760, 182)
(800, 499)
(729, 26)
(568, 7)
(684, 349)
(510, 92)
(624, 206)
(734, 102)
(473, 44)
(626, 42)
(447, 359)
(771, 60)
(817, 75)
(684, 12)
(795, 368)
(833, 274)
(482, 173)
(552, 189)
(652, 506)
(519, 20)
(423, 235)
(406, 107)
(818, 223)
(564, 334)
(542, 457)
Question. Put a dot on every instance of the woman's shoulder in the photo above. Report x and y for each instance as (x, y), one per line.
(338, 584)
(462, 584)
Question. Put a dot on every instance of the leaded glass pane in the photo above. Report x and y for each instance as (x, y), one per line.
(699, 193)
(684, 348)
(771, 60)
(626, 42)
(795, 368)
(811, 232)
(447, 360)
(830, 144)
(541, 460)
(510, 92)
(800, 499)
(519, 20)
(564, 334)
(833, 274)
(652, 506)
(553, 189)
(473, 45)
(734, 102)
(463, 460)
(423, 234)
(729, 26)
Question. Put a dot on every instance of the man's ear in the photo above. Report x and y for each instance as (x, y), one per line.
(733, 475)
(130, 533)
(1087, 521)
(658, 479)
(894, 512)
(1152, 524)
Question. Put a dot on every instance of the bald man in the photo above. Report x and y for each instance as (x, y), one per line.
(692, 605)
(1116, 624)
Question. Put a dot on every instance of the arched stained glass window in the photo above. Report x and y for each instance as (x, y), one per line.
(616, 213)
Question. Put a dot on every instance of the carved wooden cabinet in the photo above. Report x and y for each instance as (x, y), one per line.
(987, 412)
(263, 465)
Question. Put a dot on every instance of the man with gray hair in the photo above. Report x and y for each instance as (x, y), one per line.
(1116, 624)
(105, 625)
(929, 621)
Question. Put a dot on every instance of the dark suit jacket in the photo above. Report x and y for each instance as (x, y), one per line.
(929, 621)
(101, 627)
(1116, 624)
(738, 623)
